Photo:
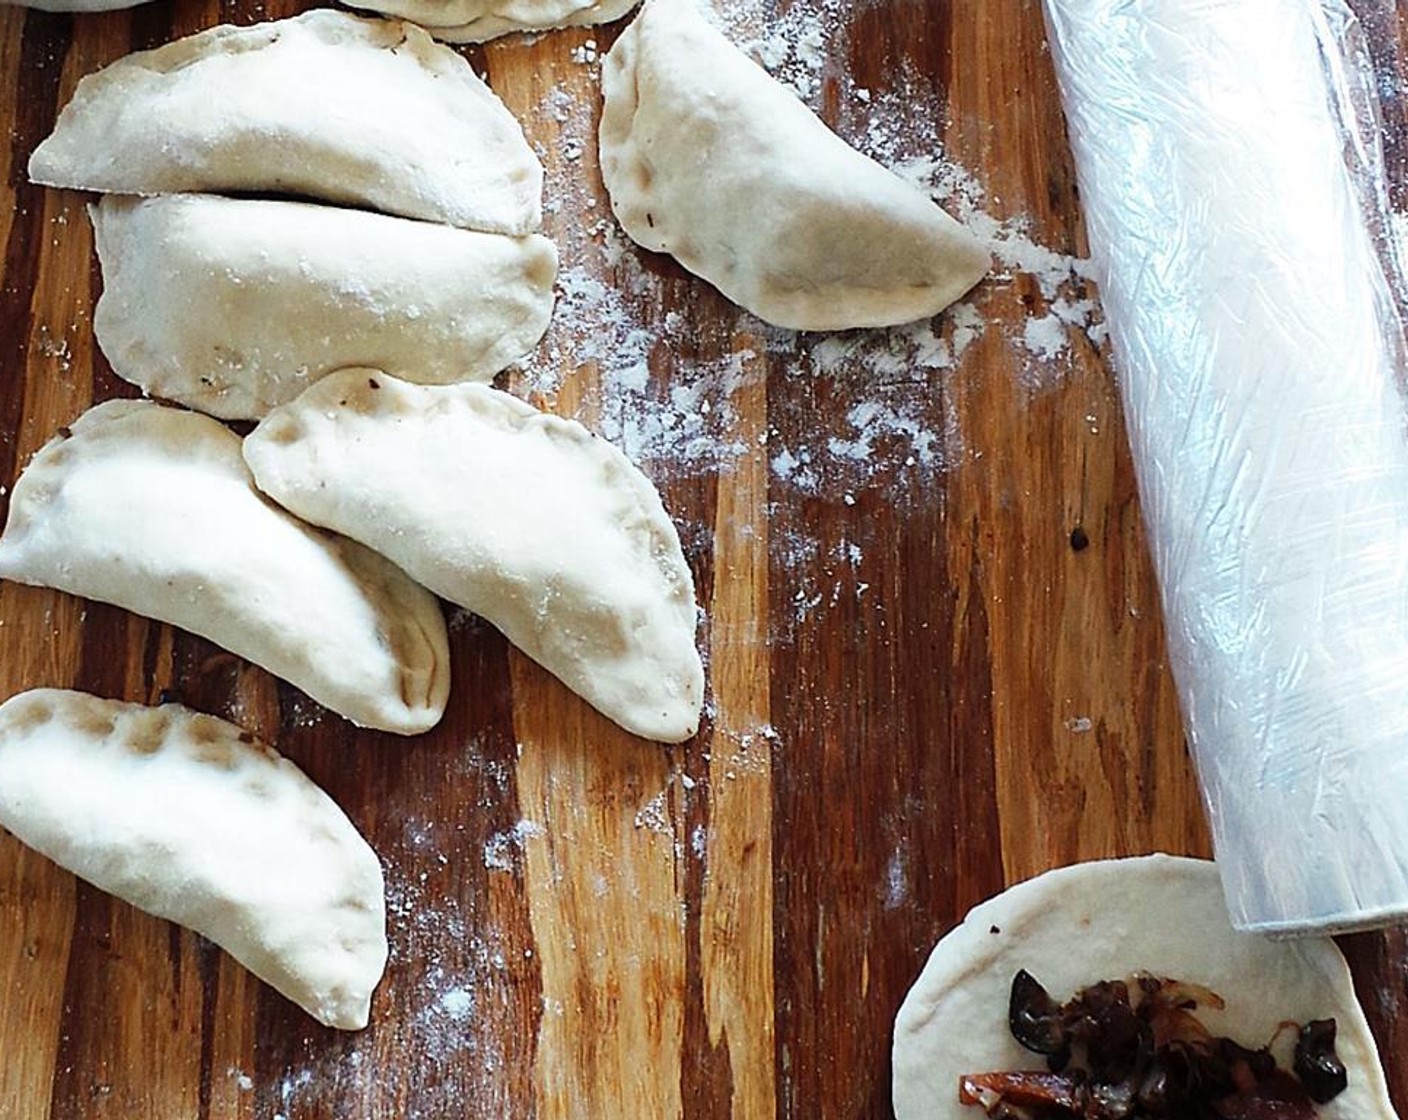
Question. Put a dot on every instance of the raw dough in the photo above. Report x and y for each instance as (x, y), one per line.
(524, 518)
(188, 818)
(1106, 921)
(533, 15)
(153, 509)
(475, 21)
(326, 104)
(707, 158)
(233, 306)
(74, 5)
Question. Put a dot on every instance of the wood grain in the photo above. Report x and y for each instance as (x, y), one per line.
(924, 682)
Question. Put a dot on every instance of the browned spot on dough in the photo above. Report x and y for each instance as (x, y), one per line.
(31, 714)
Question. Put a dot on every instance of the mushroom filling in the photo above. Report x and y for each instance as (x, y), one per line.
(1113, 1057)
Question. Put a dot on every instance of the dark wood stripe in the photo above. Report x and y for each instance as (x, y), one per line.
(209, 989)
(1380, 960)
(151, 24)
(80, 1041)
(1383, 28)
(1380, 964)
(45, 44)
(706, 1081)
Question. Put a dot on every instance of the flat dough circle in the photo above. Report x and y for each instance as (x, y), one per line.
(1104, 921)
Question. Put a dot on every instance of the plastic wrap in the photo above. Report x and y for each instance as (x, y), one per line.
(1230, 182)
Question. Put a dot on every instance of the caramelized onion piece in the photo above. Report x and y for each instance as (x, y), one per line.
(1027, 1090)
(1316, 1063)
(1035, 1018)
(1278, 1097)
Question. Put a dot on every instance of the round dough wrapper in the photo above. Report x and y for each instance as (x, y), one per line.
(1105, 921)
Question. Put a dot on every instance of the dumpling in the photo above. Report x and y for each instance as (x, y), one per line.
(524, 518)
(233, 306)
(532, 15)
(74, 5)
(327, 104)
(153, 509)
(706, 158)
(187, 817)
(474, 21)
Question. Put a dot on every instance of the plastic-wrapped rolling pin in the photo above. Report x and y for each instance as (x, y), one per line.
(1259, 360)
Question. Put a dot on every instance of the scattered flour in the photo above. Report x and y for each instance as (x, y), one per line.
(897, 879)
(1398, 250)
(793, 45)
(1045, 337)
(56, 349)
(822, 579)
(886, 127)
(458, 1004)
(655, 814)
(504, 850)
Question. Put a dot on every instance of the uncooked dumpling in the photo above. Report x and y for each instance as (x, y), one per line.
(524, 518)
(233, 306)
(1108, 921)
(153, 509)
(706, 158)
(74, 5)
(188, 818)
(533, 15)
(474, 21)
(326, 104)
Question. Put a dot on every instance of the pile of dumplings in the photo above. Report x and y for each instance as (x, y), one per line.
(328, 225)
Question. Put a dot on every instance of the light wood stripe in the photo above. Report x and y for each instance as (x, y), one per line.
(735, 929)
(601, 845)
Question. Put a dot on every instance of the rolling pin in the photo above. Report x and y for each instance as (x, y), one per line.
(1228, 192)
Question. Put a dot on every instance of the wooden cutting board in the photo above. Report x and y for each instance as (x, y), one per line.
(935, 658)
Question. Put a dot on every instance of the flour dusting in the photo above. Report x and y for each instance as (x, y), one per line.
(655, 814)
(897, 879)
(1398, 247)
(793, 46)
(504, 850)
(886, 127)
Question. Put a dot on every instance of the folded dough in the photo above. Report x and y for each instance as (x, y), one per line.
(187, 817)
(1106, 921)
(153, 509)
(532, 15)
(707, 158)
(74, 5)
(524, 518)
(326, 104)
(233, 306)
(475, 21)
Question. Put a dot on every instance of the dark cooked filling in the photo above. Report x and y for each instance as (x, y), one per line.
(1113, 1057)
